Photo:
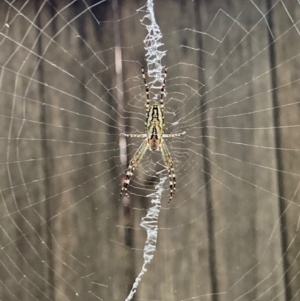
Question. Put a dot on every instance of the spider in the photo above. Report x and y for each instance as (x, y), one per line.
(154, 139)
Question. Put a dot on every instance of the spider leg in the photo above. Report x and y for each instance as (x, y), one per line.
(173, 135)
(147, 94)
(134, 162)
(162, 93)
(170, 167)
(134, 135)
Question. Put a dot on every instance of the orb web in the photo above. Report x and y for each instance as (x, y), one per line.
(71, 83)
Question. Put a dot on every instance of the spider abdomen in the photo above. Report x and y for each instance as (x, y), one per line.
(155, 124)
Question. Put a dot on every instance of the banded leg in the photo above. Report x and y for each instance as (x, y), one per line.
(162, 93)
(170, 167)
(134, 135)
(147, 94)
(134, 162)
(173, 135)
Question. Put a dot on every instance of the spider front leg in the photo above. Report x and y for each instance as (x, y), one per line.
(170, 167)
(134, 162)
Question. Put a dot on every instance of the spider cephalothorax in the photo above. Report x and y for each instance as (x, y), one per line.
(154, 138)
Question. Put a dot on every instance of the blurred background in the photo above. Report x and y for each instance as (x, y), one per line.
(71, 83)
